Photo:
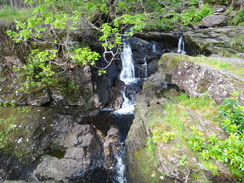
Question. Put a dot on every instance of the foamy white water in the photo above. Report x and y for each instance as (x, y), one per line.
(128, 70)
(181, 45)
(128, 76)
(120, 168)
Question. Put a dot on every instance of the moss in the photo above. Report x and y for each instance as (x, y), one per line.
(203, 85)
(27, 121)
(237, 43)
(210, 166)
(169, 61)
(145, 167)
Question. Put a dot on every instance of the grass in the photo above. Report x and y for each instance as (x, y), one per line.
(8, 14)
(173, 126)
(175, 122)
(180, 118)
(236, 69)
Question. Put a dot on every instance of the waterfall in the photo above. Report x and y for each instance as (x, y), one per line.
(128, 70)
(120, 169)
(181, 45)
(154, 47)
(128, 76)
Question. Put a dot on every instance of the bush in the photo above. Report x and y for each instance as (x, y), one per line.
(232, 114)
(231, 149)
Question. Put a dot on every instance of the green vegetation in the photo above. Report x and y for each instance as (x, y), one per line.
(5, 104)
(9, 14)
(193, 15)
(50, 33)
(4, 133)
(232, 114)
(49, 30)
(239, 19)
(236, 69)
(178, 124)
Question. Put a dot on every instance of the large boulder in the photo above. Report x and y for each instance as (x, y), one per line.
(214, 20)
(197, 78)
(163, 163)
(78, 159)
(56, 144)
(213, 40)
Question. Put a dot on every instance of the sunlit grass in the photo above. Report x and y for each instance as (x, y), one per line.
(176, 117)
(236, 69)
(8, 14)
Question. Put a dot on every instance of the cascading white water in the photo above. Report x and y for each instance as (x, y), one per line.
(128, 71)
(128, 76)
(181, 45)
(154, 47)
(120, 169)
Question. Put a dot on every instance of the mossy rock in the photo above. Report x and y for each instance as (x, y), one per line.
(28, 123)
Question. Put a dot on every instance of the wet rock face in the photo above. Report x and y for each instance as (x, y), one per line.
(49, 144)
(147, 49)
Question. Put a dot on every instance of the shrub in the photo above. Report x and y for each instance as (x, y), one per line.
(232, 114)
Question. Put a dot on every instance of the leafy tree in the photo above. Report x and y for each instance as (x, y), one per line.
(53, 23)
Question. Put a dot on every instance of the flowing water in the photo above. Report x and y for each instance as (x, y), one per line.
(127, 75)
(181, 45)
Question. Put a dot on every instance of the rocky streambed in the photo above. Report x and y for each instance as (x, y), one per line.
(60, 144)
(59, 134)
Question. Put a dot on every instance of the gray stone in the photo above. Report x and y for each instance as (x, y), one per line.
(218, 9)
(212, 40)
(178, 70)
(214, 20)
(197, 78)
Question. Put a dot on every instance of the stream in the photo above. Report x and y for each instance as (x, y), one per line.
(47, 123)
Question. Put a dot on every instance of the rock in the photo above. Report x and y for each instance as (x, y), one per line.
(112, 147)
(13, 60)
(175, 72)
(218, 9)
(83, 153)
(212, 40)
(137, 159)
(168, 15)
(41, 97)
(49, 145)
(117, 96)
(214, 20)
(197, 78)
(74, 88)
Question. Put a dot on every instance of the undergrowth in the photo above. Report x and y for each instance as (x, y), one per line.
(9, 14)
(229, 115)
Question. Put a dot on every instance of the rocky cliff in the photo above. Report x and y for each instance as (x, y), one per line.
(171, 159)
